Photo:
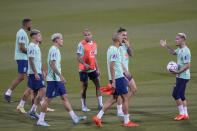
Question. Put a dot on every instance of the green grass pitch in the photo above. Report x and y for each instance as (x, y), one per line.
(147, 21)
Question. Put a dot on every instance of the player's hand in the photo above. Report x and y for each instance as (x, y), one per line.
(99, 73)
(63, 80)
(37, 77)
(163, 43)
(174, 72)
(45, 72)
(128, 74)
(113, 85)
(127, 43)
(87, 66)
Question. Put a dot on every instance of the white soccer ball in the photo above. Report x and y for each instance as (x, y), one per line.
(172, 66)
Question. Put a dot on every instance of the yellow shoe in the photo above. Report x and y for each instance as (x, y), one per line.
(21, 109)
(50, 110)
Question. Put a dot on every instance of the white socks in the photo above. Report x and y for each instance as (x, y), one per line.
(22, 103)
(185, 110)
(181, 111)
(42, 115)
(100, 114)
(83, 103)
(119, 109)
(33, 108)
(100, 100)
(73, 115)
(126, 119)
(8, 92)
(41, 102)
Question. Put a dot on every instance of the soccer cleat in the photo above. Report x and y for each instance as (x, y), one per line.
(21, 109)
(75, 121)
(186, 117)
(85, 109)
(120, 114)
(42, 123)
(100, 107)
(179, 117)
(7, 98)
(97, 121)
(34, 115)
(130, 124)
(50, 110)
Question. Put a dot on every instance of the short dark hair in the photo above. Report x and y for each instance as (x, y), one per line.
(25, 21)
(121, 30)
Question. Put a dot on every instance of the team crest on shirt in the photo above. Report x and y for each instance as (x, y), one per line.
(126, 55)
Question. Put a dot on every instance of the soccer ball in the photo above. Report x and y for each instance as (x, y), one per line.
(172, 66)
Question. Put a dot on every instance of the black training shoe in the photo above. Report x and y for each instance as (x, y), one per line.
(7, 98)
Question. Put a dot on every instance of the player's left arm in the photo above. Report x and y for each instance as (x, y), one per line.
(97, 67)
(44, 71)
(128, 74)
(186, 66)
(129, 49)
(186, 61)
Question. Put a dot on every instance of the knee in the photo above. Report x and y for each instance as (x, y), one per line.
(175, 96)
(183, 97)
(21, 77)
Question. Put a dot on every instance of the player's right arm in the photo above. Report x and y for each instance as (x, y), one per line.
(112, 63)
(79, 53)
(164, 44)
(31, 56)
(31, 62)
(53, 66)
(82, 62)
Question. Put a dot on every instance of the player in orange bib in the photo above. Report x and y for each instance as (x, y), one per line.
(88, 67)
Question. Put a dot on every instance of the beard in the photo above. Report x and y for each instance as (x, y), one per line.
(29, 28)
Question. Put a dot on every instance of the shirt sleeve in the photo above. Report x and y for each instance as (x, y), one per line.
(186, 57)
(53, 55)
(80, 49)
(114, 56)
(31, 51)
(22, 38)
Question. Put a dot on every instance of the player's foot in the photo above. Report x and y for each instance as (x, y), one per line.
(79, 119)
(42, 123)
(8, 98)
(179, 117)
(130, 124)
(100, 107)
(85, 109)
(97, 121)
(186, 117)
(50, 110)
(21, 109)
(120, 114)
(34, 115)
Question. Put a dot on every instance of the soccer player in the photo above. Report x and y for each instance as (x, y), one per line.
(182, 75)
(88, 67)
(117, 80)
(21, 58)
(35, 71)
(55, 82)
(125, 52)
